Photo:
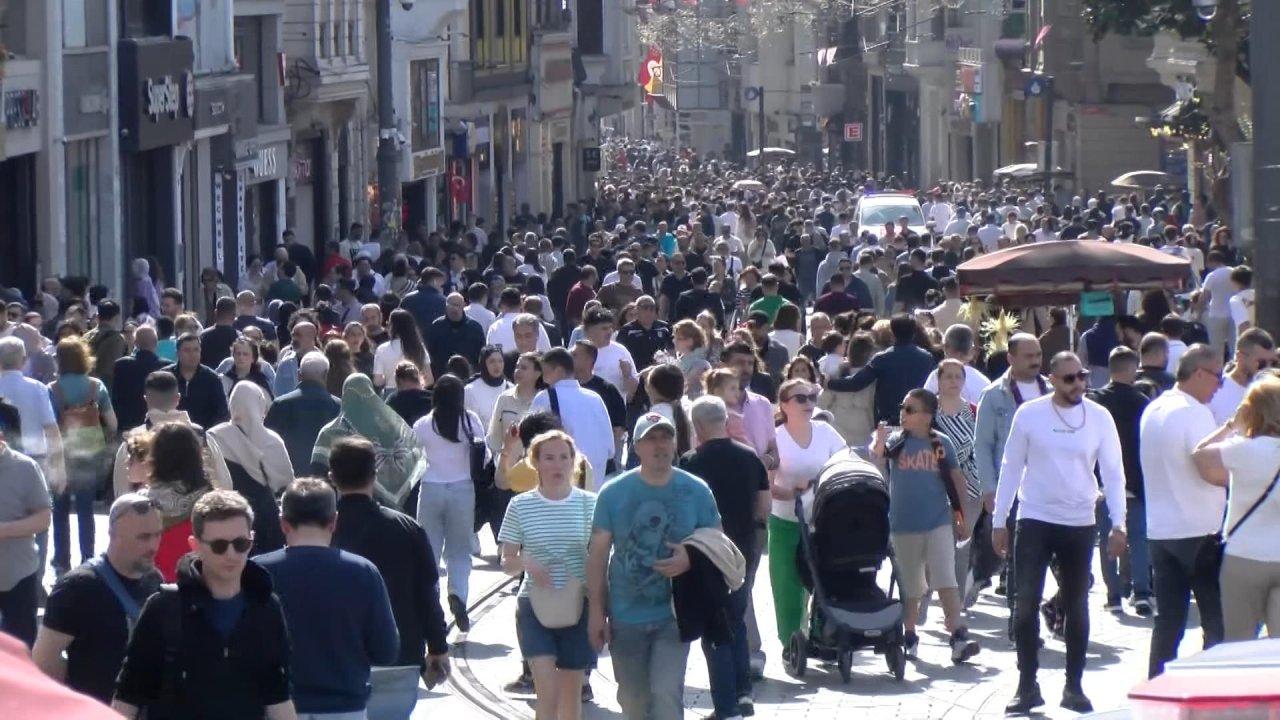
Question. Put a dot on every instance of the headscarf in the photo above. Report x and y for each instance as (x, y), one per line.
(246, 441)
(364, 414)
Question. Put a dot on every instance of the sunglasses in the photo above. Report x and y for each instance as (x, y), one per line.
(220, 546)
(1075, 377)
(803, 398)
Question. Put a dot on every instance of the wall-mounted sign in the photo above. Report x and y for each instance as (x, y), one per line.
(853, 132)
(266, 163)
(591, 159)
(157, 92)
(21, 109)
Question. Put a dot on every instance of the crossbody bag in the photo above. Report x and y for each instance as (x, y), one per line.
(560, 607)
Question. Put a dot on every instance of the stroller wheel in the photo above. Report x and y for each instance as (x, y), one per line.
(896, 659)
(845, 663)
(798, 649)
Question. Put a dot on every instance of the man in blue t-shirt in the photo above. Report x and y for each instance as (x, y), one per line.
(643, 515)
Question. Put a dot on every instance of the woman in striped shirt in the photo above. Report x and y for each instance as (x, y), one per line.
(545, 536)
(957, 419)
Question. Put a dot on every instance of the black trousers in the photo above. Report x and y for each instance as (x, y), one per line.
(1038, 543)
(1182, 567)
(18, 609)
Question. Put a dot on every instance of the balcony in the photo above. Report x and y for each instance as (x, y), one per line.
(922, 51)
(327, 42)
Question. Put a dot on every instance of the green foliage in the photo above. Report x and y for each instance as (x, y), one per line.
(1147, 17)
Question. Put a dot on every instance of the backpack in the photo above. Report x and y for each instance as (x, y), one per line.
(81, 425)
(944, 466)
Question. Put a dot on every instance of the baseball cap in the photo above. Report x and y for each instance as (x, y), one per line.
(648, 422)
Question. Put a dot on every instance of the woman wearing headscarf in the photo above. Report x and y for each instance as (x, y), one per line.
(258, 461)
(364, 413)
(146, 299)
(489, 383)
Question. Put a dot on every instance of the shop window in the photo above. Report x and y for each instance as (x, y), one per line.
(499, 33)
(144, 18)
(591, 27)
(426, 104)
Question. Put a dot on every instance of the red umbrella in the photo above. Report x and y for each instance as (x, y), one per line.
(1058, 271)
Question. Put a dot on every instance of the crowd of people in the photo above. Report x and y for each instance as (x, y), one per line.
(632, 396)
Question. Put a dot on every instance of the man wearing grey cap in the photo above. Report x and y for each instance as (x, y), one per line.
(643, 515)
(92, 608)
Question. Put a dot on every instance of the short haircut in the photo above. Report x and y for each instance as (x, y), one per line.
(1153, 342)
(535, 424)
(903, 327)
(353, 463)
(1122, 358)
(708, 411)
(1255, 338)
(129, 503)
(160, 381)
(225, 307)
(1242, 276)
(510, 297)
(173, 294)
(108, 310)
(558, 357)
(1019, 338)
(958, 339)
(738, 347)
(1196, 357)
(12, 353)
(309, 501)
(477, 292)
(188, 338)
(217, 505)
(598, 316)
(1062, 358)
(588, 348)
(407, 371)
(1173, 326)
(525, 320)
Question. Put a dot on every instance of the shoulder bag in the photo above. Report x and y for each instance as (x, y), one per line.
(481, 469)
(1226, 536)
(560, 607)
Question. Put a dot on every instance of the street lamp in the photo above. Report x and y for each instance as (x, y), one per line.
(1205, 9)
(1040, 85)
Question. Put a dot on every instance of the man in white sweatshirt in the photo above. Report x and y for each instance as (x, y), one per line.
(1053, 446)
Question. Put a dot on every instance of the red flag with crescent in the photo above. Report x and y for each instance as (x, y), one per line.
(650, 76)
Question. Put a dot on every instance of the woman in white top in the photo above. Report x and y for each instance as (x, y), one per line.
(786, 329)
(405, 344)
(804, 446)
(483, 390)
(513, 404)
(447, 498)
(665, 385)
(1244, 456)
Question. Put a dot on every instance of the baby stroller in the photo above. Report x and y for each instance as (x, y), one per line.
(838, 561)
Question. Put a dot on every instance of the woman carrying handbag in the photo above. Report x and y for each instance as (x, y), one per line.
(545, 536)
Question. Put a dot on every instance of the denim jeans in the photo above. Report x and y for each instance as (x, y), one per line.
(395, 692)
(447, 512)
(62, 505)
(649, 663)
(729, 663)
(1182, 567)
(1137, 581)
(1037, 544)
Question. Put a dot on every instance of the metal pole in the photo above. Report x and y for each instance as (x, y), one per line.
(760, 98)
(1048, 136)
(388, 147)
(1264, 51)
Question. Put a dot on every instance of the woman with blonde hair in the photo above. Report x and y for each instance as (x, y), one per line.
(724, 384)
(804, 446)
(1244, 456)
(544, 536)
(691, 355)
(715, 341)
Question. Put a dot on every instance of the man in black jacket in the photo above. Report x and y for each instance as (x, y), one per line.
(131, 374)
(216, 341)
(453, 334)
(693, 301)
(1126, 403)
(216, 647)
(202, 395)
(1153, 376)
(398, 546)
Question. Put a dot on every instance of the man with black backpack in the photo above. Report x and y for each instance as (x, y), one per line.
(215, 645)
(93, 608)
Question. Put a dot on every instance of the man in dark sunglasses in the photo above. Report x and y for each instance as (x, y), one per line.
(1054, 444)
(217, 645)
(93, 607)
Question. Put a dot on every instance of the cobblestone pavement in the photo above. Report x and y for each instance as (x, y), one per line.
(487, 658)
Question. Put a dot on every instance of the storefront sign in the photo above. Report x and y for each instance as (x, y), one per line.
(428, 164)
(219, 234)
(21, 109)
(591, 159)
(157, 92)
(265, 162)
(212, 105)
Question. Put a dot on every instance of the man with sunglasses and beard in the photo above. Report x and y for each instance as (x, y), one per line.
(215, 646)
(1255, 352)
(93, 607)
(1054, 444)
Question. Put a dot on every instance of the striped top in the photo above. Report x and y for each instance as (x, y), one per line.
(554, 532)
(961, 428)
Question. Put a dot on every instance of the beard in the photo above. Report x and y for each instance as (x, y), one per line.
(1072, 399)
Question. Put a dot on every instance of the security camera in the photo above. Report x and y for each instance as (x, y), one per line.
(406, 4)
